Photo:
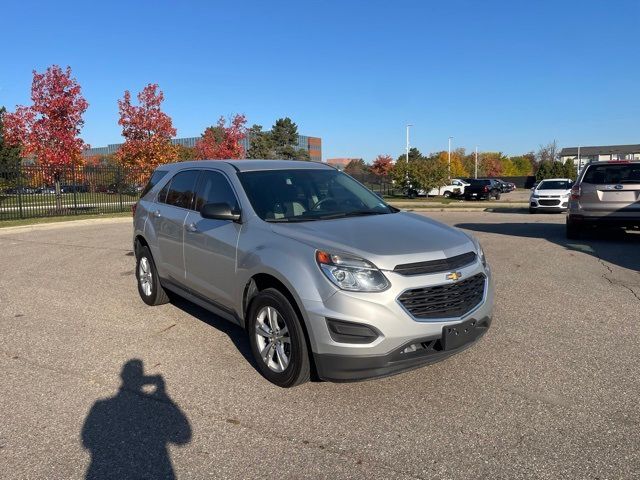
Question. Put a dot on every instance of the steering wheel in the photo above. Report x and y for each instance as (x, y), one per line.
(319, 203)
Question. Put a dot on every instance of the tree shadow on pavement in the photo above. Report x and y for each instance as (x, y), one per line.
(609, 244)
(128, 434)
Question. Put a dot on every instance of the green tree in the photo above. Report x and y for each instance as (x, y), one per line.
(569, 170)
(284, 140)
(9, 155)
(260, 143)
(356, 167)
(523, 164)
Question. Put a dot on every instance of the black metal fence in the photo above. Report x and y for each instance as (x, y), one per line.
(379, 185)
(36, 191)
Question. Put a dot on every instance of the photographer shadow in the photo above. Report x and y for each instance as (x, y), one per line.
(128, 434)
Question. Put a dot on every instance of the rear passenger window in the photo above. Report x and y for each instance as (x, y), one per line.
(214, 188)
(181, 189)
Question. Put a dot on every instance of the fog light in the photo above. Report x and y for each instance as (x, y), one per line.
(410, 348)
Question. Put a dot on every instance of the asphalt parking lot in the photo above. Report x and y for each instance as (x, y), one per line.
(550, 392)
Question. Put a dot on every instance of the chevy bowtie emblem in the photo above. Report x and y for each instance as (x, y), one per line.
(455, 276)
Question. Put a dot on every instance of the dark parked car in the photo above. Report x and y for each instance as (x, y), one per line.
(505, 187)
(482, 189)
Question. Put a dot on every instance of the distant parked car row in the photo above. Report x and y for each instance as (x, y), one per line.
(467, 188)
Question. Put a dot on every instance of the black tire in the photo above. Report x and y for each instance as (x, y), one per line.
(532, 210)
(497, 196)
(446, 194)
(298, 370)
(467, 197)
(155, 294)
(573, 230)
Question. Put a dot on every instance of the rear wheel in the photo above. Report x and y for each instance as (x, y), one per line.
(573, 230)
(149, 286)
(278, 342)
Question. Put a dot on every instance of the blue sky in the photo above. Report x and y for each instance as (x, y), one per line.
(503, 75)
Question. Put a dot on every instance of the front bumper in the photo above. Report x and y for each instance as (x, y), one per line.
(549, 204)
(395, 327)
(341, 368)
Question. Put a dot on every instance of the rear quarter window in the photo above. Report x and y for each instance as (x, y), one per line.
(153, 181)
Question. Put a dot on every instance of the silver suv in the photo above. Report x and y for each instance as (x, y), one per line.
(606, 193)
(324, 276)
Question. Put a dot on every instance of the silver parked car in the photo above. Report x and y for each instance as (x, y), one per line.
(324, 275)
(606, 193)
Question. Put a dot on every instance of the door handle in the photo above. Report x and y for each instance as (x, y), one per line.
(191, 227)
(157, 214)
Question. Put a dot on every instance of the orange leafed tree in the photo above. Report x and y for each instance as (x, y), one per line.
(382, 165)
(49, 129)
(147, 130)
(223, 141)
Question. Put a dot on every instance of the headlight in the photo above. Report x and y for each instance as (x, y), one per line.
(535, 195)
(351, 273)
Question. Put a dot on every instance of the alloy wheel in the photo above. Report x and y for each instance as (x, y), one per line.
(272, 339)
(144, 276)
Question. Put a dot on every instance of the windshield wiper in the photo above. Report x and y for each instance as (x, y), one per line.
(291, 219)
(354, 213)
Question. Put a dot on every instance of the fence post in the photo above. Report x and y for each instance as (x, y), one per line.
(120, 186)
(75, 190)
(20, 191)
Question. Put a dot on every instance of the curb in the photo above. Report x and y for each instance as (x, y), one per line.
(469, 209)
(63, 224)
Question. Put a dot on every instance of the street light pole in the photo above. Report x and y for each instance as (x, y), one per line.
(449, 157)
(408, 125)
(476, 169)
(579, 160)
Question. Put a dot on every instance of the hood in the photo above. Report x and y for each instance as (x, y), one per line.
(385, 240)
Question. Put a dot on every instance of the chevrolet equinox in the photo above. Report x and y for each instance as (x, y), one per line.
(321, 273)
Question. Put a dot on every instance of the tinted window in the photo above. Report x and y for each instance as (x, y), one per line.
(623, 173)
(304, 195)
(478, 181)
(181, 188)
(214, 188)
(153, 181)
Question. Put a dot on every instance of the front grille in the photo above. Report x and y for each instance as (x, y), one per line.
(444, 301)
(435, 266)
(549, 203)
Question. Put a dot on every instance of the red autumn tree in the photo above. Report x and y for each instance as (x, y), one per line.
(382, 165)
(146, 129)
(223, 141)
(49, 129)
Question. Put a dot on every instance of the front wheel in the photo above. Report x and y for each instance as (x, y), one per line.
(447, 194)
(277, 339)
(532, 210)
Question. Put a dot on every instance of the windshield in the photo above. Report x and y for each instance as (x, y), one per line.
(305, 195)
(555, 185)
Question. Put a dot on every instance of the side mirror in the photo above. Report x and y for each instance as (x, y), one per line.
(219, 211)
